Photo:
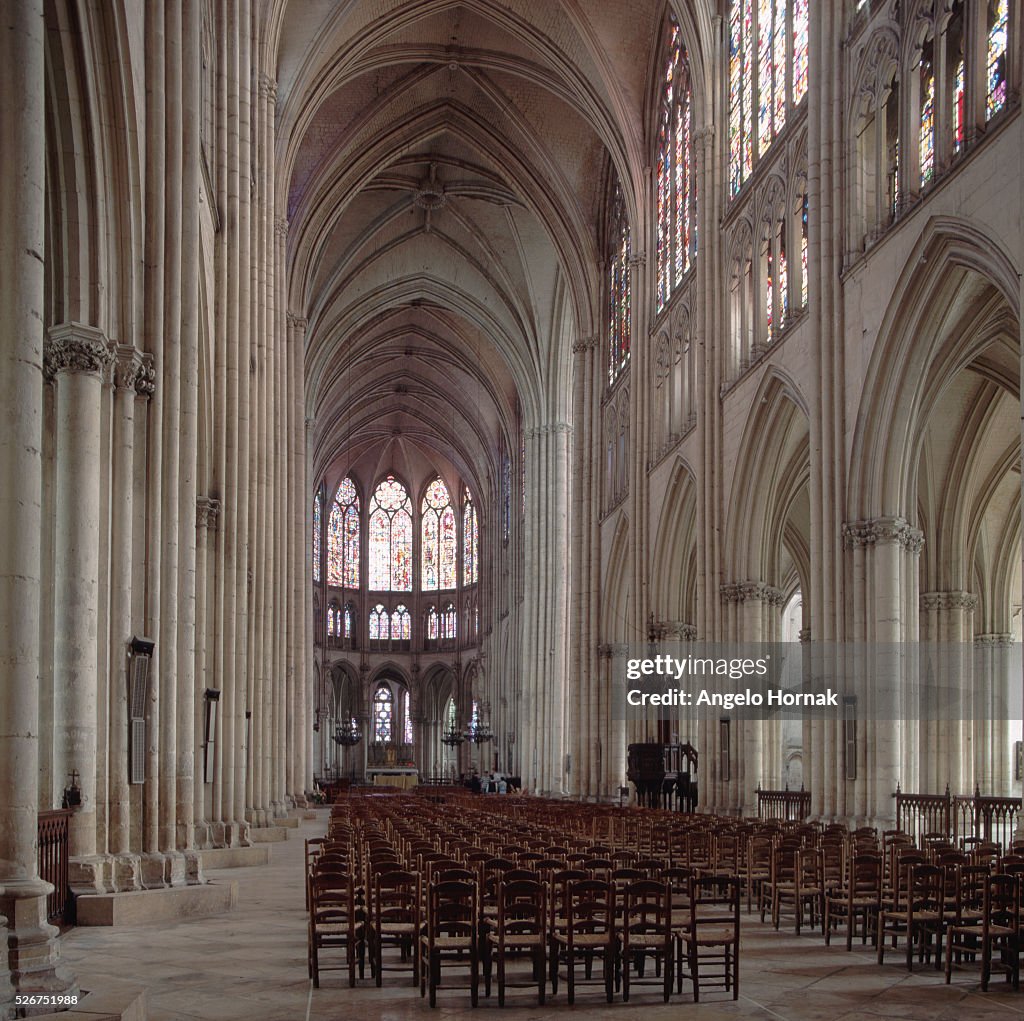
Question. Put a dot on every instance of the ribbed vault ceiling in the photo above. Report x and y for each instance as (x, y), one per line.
(443, 166)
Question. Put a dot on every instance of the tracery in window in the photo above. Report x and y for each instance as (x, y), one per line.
(437, 553)
(775, 35)
(390, 535)
(332, 620)
(348, 622)
(998, 31)
(469, 540)
(676, 233)
(927, 128)
(618, 288)
(317, 524)
(383, 714)
(343, 537)
(433, 624)
(401, 624)
(449, 622)
(379, 624)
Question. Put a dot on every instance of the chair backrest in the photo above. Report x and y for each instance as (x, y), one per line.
(451, 910)
(1002, 902)
(522, 908)
(926, 888)
(589, 908)
(715, 900)
(647, 910)
(866, 875)
(396, 898)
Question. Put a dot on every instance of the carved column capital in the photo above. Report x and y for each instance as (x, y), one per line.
(584, 344)
(871, 532)
(133, 370)
(296, 322)
(207, 512)
(268, 87)
(996, 641)
(281, 227)
(74, 347)
(956, 600)
(752, 591)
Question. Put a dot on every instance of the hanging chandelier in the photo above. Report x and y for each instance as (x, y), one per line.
(348, 734)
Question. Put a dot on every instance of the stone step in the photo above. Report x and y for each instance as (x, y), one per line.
(234, 857)
(151, 907)
(268, 834)
(290, 822)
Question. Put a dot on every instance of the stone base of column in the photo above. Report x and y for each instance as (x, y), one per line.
(33, 948)
(236, 834)
(193, 868)
(126, 872)
(278, 809)
(161, 869)
(92, 873)
(202, 835)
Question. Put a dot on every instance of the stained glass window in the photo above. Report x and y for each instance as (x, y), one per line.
(469, 540)
(437, 554)
(317, 523)
(401, 624)
(390, 534)
(432, 624)
(449, 622)
(618, 288)
(801, 31)
(343, 537)
(803, 250)
(998, 36)
(741, 94)
(407, 718)
(383, 714)
(767, 76)
(332, 620)
(958, 107)
(927, 131)
(676, 237)
(380, 630)
(347, 622)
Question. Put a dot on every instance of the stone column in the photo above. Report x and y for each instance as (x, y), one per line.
(76, 358)
(32, 948)
(885, 552)
(133, 381)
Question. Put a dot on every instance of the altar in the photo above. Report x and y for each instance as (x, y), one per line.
(392, 776)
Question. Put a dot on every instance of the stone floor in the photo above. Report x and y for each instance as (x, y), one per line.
(250, 965)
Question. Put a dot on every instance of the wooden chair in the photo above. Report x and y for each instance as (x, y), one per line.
(520, 929)
(394, 920)
(712, 935)
(588, 934)
(646, 931)
(335, 923)
(917, 914)
(860, 899)
(998, 931)
(450, 935)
